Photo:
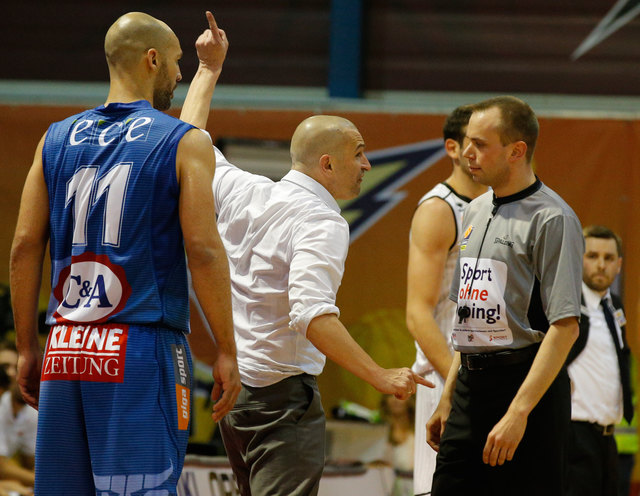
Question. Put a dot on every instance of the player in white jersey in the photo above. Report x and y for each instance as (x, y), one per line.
(433, 254)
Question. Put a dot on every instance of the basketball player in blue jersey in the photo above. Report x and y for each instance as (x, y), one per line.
(120, 192)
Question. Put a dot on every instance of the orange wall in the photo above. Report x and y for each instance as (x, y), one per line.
(591, 163)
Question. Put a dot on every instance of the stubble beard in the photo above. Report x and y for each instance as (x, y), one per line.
(595, 285)
(162, 93)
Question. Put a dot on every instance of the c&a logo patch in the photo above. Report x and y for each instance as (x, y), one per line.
(86, 353)
(182, 376)
(91, 289)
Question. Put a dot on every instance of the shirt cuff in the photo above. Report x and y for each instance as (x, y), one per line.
(301, 322)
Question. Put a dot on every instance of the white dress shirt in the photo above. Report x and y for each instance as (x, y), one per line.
(596, 394)
(287, 243)
(17, 432)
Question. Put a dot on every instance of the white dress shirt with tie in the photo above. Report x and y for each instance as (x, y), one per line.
(287, 244)
(596, 394)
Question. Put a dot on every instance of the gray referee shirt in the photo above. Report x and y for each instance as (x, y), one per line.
(519, 269)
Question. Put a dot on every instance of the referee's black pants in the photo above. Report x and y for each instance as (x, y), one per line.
(480, 400)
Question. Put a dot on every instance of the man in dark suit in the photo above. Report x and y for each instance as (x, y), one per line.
(599, 370)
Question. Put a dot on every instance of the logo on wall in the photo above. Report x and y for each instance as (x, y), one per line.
(391, 168)
(623, 12)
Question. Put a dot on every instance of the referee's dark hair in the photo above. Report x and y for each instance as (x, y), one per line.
(602, 232)
(456, 123)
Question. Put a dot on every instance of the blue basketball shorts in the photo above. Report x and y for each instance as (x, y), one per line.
(114, 411)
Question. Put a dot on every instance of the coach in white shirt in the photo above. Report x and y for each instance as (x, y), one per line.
(599, 371)
(287, 243)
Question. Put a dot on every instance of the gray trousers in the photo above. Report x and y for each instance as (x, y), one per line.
(275, 437)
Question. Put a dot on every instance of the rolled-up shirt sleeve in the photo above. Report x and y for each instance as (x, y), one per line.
(319, 250)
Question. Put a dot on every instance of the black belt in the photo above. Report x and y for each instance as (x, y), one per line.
(481, 361)
(605, 430)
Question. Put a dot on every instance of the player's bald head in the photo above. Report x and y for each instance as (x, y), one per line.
(317, 136)
(132, 35)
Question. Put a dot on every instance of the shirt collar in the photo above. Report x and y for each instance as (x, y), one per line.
(591, 298)
(128, 106)
(301, 179)
(462, 197)
(529, 190)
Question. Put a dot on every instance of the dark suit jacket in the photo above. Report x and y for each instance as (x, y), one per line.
(581, 342)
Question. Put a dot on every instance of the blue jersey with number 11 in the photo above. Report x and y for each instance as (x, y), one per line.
(116, 244)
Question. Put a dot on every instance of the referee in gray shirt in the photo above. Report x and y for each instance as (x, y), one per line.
(501, 425)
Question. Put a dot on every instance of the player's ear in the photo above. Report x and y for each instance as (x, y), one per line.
(152, 59)
(451, 146)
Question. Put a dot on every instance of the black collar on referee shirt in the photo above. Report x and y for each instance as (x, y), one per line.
(529, 190)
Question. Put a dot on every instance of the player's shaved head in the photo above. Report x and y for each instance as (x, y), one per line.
(132, 35)
(316, 136)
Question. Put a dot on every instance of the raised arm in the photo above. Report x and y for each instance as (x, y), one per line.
(433, 231)
(211, 47)
(27, 254)
(208, 261)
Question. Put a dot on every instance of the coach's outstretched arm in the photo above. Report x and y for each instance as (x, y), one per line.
(329, 335)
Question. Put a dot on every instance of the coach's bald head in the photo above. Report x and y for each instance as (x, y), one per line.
(330, 149)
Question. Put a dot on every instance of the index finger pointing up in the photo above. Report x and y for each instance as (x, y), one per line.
(213, 26)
